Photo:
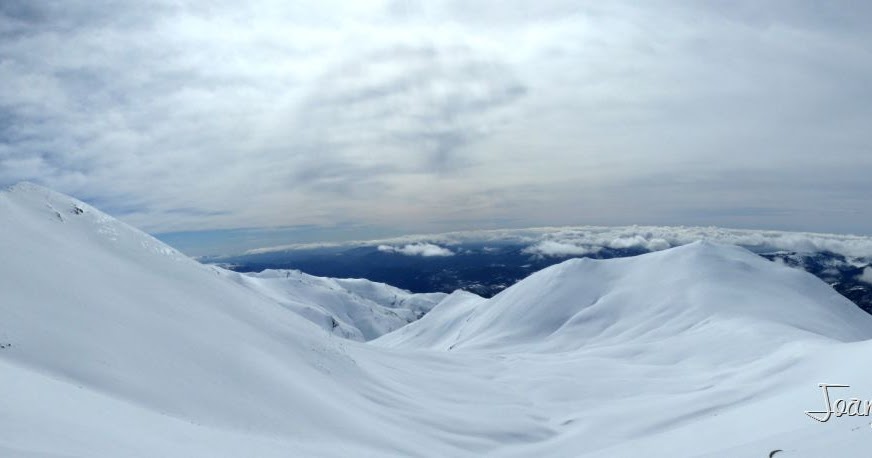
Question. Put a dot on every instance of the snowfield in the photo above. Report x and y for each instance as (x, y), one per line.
(355, 309)
(114, 345)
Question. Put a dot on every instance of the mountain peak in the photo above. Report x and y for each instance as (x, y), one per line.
(703, 291)
(30, 193)
(36, 214)
(25, 186)
(30, 188)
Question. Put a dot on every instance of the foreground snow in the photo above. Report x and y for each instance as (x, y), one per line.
(112, 344)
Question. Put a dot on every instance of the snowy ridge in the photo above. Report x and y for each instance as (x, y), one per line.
(355, 309)
(44, 203)
(441, 328)
(111, 320)
(642, 300)
(111, 348)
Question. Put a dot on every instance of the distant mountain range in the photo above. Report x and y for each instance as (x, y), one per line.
(487, 262)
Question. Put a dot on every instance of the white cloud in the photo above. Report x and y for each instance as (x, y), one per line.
(866, 276)
(654, 238)
(417, 249)
(639, 241)
(555, 249)
(580, 240)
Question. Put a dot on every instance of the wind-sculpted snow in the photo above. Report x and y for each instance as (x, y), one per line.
(112, 344)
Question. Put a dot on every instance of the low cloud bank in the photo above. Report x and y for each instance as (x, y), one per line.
(555, 248)
(581, 240)
(587, 240)
(417, 249)
(866, 276)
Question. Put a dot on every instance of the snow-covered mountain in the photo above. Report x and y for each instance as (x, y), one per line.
(586, 303)
(487, 262)
(117, 345)
(356, 309)
(113, 344)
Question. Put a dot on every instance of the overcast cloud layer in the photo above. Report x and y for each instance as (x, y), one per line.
(191, 116)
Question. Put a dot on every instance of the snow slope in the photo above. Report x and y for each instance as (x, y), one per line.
(121, 329)
(693, 292)
(440, 329)
(112, 344)
(355, 309)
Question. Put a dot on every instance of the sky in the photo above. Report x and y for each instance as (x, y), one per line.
(222, 126)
